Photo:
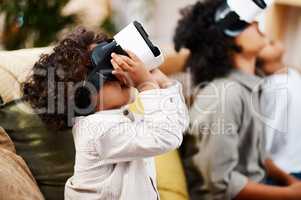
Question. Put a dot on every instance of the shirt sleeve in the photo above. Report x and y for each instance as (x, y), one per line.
(161, 130)
(216, 127)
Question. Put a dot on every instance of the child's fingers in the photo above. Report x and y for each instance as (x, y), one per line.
(120, 75)
(119, 72)
(128, 60)
(118, 61)
(115, 65)
(122, 64)
(132, 55)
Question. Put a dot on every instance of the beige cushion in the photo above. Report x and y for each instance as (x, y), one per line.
(15, 66)
(171, 178)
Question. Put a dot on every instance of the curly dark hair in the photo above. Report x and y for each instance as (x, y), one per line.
(210, 49)
(68, 64)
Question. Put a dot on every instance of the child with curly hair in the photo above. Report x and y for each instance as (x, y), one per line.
(114, 146)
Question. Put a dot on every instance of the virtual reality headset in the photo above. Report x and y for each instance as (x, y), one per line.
(234, 16)
(133, 38)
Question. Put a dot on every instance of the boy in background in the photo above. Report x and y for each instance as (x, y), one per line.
(281, 106)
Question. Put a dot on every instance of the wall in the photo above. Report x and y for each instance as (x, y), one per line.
(292, 38)
(284, 23)
(159, 17)
(165, 19)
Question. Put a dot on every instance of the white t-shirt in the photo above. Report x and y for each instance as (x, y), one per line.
(281, 106)
(114, 148)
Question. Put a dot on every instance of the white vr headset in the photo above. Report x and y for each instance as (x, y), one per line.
(133, 38)
(233, 16)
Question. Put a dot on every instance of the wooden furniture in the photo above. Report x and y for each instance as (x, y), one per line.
(278, 16)
(174, 62)
(283, 24)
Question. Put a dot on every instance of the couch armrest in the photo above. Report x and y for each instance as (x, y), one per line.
(15, 66)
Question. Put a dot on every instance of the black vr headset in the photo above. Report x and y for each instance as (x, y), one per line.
(101, 61)
(234, 16)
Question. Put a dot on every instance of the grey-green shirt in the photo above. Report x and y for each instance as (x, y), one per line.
(226, 121)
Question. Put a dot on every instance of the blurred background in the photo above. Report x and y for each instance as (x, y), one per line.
(39, 23)
(26, 24)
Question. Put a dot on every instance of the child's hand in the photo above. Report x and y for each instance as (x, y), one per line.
(162, 80)
(133, 71)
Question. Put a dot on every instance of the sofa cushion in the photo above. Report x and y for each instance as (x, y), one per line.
(15, 66)
(170, 177)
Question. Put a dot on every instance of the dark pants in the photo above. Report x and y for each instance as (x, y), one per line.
(297, 175)
(269, 181)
